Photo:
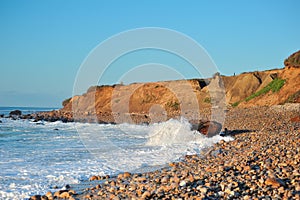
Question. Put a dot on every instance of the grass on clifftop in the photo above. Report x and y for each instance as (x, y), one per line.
(275, 85)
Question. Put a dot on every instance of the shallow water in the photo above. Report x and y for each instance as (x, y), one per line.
(35, 157)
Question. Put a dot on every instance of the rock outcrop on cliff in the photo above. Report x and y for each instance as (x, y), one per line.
(293, 60)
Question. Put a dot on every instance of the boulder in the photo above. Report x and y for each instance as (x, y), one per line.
(28, 116)
(38, 118)
(208, 128)
(15, 112)
(64, 119)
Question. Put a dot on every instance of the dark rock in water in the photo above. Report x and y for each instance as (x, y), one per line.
(0, 121)
(2, 115)
(64, 120)
(38, 118)
(208, 128)
(51, 119)
(28, 116)
(56, 129)
(102, 122)
(15, 112)
(70, 120)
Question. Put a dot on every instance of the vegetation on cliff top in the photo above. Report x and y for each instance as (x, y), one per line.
(293, 60)
(66, 101)
(275, 85)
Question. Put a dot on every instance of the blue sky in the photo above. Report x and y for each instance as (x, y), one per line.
(43, 43)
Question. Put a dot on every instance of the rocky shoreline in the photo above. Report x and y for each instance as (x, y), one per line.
(262, 162)
(203, 125)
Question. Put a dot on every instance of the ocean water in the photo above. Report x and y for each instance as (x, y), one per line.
(25, 110)
(36, 157)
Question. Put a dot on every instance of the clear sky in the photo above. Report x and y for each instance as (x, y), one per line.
(43, 43)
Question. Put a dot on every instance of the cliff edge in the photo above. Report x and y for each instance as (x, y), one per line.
(164, 100)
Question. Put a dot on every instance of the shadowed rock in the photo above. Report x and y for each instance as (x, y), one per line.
(15, 112)
(208, 128)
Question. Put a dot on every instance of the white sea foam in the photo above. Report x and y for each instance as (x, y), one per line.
(35, 158)
(171, 132)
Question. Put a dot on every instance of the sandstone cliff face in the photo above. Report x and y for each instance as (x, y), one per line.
(172, 98)
(290, 87)
(240, 87)
(164, 99)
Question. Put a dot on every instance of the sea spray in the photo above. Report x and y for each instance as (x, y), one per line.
(36, 157)
(171, 132)
(176, 139)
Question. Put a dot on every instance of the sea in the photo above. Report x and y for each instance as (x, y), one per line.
(37, 157)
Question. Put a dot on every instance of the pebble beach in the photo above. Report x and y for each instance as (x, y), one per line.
(262, 162)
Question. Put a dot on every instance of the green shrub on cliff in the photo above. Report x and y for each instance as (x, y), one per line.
(274, 85)
(207, 100)
(235, 104)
